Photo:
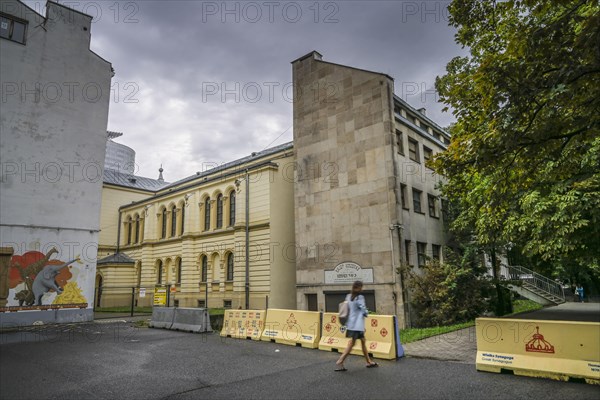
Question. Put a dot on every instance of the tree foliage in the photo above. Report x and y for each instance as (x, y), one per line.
(523, 165)
(448, 292)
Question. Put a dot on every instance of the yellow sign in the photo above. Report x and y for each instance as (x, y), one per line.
(243, 324)
(293, 327)
(381, 333)
(546, 349)
(160, 296)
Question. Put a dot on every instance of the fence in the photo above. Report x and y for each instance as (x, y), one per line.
(122, 301)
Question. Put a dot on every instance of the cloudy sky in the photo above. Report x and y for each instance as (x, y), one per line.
(201, 83)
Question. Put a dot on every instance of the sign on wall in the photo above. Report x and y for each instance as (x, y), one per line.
(348, 272)
(160, 296)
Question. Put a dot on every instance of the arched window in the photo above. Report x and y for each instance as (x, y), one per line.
(232, 208)
(164, 224)
(182, 218)
(178, 270)
(230, 267)
(204, 261)
(207, 214)
(137, 229)
(129, 230)
(219, 211)
(159, 272)
(173, 220)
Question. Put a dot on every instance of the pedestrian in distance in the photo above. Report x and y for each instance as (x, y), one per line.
(579, 292)
(355, 326)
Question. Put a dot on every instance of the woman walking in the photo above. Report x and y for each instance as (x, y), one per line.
(357, 311)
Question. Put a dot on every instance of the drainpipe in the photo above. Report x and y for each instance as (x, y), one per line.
(247, 286)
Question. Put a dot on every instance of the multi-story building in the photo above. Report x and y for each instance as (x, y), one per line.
(365, 199)
(224, 235)
(55, 98)
(352, 198)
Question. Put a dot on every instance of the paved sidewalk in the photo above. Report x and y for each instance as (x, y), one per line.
(460, 346)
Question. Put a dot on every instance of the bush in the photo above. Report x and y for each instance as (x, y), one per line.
(449, 292)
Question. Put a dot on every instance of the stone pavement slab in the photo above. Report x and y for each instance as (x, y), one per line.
(460, 346)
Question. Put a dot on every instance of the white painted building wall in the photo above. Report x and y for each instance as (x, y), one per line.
(54, 112)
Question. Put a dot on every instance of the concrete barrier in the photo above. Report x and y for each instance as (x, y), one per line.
(243, 324)
(293, 327)
(194, 320)
(381, 333)
(162, 317)
(560, 350)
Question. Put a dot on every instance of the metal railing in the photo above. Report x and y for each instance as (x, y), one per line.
(531, 278)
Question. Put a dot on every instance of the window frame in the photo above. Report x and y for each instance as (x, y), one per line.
(232, 208)
(404, 196)
(207, 214)
(417, 155)
(204, 269)
(230, 268)
(416, 194)
(421, 255)
(174, 221)
(400, 141)
(219, 222)
(12, 20)
(432, 206)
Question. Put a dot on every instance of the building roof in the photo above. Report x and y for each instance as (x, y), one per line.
(231, 164)
(117, 178)
(117, 258)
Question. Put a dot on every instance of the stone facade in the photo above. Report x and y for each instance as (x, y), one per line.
(348, 135)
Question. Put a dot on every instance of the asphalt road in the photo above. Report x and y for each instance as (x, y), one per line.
(117, 360)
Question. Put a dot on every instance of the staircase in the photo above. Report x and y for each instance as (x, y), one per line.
(533, 286)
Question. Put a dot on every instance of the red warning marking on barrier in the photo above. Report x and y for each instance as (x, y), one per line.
(538, 344)
(373, 345)
(333, 319)
(374, 323)
(383, 332)
(328, 327)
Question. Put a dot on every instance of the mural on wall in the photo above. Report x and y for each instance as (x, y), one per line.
(36, 281)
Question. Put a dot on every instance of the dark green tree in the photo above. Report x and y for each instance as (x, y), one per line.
(523, 166)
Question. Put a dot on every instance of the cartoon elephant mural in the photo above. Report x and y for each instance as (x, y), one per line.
(45, 281)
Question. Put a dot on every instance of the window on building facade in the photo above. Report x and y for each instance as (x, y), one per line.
(436, 250)
(204, 270)
(159, 272)
(421, 256)
(207, 214)
(178, 280)
(230, 267)
(407, 251)
(445, 209)
(163, 232)
(226, 304)
(404, 196)
(182, 219)
(400, 142)
(12, 29)
(173, 221)
(427, 154)
(432, 202)
(232, 208)
(417, 201)
(129, 223)
(139, 275)
(219, 211)
(137, 229)
(201, 304)
(413, 150)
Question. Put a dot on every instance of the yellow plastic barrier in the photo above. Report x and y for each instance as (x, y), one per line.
(381, 332)
(293, 327)
(243, 324)
(547, 349)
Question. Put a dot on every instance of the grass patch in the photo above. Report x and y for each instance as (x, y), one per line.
(124, 309)
(414, 334)
(520, 306)
(216, 311)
